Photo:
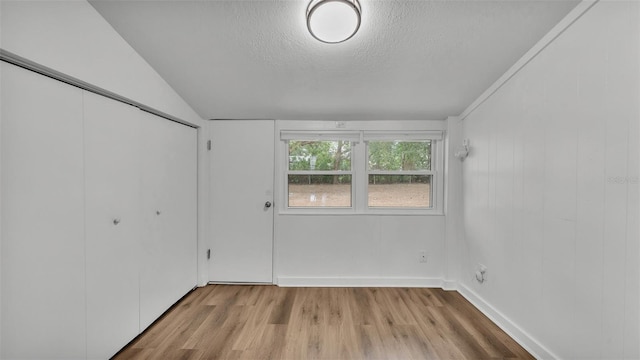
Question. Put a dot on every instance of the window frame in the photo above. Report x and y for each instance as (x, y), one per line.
(321, 137)
(431, 172)
(360, 132)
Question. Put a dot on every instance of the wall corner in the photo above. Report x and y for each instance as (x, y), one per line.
(454, 232)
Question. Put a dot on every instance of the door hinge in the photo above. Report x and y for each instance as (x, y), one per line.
(208, 254)
(209, 145)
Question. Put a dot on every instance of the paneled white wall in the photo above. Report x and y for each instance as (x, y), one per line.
(551, 191)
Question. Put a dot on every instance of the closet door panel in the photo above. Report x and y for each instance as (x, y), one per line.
(113, 224)
(43, 291)
(169, 247)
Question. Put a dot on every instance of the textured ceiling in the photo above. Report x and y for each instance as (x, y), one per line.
(256, 59)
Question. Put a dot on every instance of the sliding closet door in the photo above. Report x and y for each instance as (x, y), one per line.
(169, 209)
(113, 223)
(43, 292)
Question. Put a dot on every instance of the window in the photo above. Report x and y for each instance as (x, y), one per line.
(319, 173)
(365, 171)
(399, 174)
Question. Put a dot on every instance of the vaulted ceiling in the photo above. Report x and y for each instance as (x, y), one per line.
(256, 59)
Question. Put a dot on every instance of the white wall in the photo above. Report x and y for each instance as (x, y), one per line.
(0, 191)
(356, 249)
(551, 192)
(71, 37)
(454, 231)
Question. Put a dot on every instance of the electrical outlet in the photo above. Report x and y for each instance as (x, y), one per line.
(423, 256)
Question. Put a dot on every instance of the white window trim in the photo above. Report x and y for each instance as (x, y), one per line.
(353, 136)
(310, 136)
(436, 135)
(437, 171)
(369, 130)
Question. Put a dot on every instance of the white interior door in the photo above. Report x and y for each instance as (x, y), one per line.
(113, 224)
(241, 186)
(169, 214)
(42, 217)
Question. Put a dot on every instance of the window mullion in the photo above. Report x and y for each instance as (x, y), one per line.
(359, 165)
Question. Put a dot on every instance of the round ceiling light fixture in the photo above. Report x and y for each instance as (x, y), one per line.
(333, 21)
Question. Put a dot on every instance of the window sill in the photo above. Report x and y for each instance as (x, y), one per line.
(335, 212)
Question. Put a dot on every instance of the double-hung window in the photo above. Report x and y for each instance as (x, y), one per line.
(362, 171)
(400, 171)
(319, 171)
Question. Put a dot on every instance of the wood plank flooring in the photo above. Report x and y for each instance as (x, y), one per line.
(269, 322)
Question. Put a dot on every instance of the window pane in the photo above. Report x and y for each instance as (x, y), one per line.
(319, 190)
(399, 155)
(407, 191)
(320, 155)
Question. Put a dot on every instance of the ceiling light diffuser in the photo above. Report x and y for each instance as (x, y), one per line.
(333, 21)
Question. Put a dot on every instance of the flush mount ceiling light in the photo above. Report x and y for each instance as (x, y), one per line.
(333, 21)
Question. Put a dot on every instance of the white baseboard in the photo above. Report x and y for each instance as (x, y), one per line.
(295, 281)
(449, 285)
(514, 331)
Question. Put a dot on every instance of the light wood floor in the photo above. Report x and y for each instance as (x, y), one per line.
(268, 322)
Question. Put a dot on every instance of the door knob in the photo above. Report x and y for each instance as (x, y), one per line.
(267, 204)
